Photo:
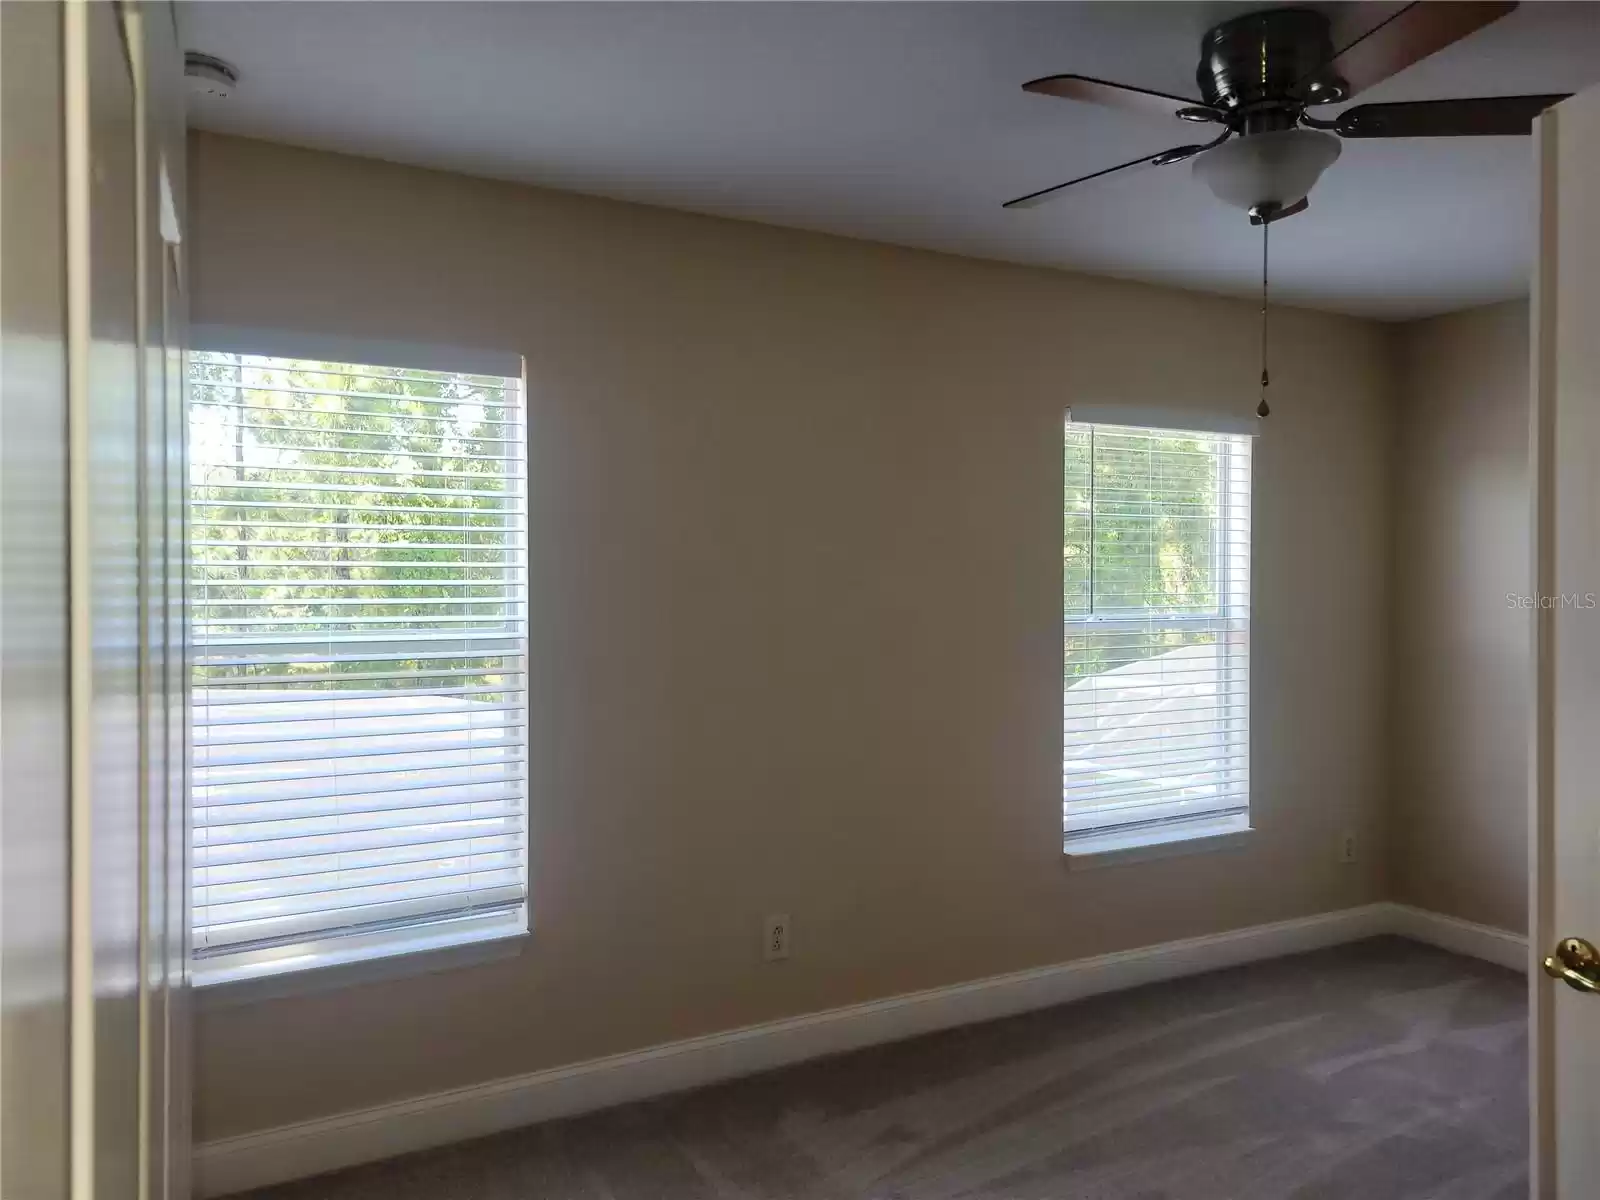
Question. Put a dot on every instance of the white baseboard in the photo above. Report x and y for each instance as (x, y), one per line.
(1462, 937)
(312, 1147)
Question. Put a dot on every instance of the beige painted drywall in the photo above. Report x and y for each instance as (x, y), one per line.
(796, 630)
(1461, 646)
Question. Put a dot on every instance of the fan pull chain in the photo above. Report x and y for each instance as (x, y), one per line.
(1262, 409)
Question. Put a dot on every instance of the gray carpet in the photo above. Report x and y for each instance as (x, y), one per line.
(1377, 1071)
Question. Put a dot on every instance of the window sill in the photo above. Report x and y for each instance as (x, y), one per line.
(1111, 848)
(231, 986)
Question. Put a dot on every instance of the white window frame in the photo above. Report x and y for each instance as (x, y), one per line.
(321, 962)
(1103, 835)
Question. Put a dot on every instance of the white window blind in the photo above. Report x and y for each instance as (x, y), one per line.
(359, 601)
(1156, 568)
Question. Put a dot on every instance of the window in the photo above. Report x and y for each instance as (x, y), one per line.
(359, 603)
(1156, 568)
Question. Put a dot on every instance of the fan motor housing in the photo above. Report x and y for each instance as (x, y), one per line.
(1259, 61)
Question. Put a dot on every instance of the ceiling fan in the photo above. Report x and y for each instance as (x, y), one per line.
(1262, 75)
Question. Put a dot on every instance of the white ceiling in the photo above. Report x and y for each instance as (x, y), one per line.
(903, 122)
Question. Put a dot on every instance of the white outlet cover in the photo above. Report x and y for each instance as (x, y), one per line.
(775, 938)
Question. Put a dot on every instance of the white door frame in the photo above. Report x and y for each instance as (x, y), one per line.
(1541, 733)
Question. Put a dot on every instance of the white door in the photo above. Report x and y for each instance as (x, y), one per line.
(1566, 744)
(91, 636)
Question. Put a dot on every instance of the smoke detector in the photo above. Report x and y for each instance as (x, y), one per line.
(209, 76)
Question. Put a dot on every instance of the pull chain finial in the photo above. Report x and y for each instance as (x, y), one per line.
(1262, 409)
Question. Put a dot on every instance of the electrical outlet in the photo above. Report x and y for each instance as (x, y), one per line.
(775, 941)
(1347, 846)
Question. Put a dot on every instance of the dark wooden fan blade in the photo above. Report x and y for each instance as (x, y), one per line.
(1487, 116)
(1406, 37)
(1119, 95)
(1161, 159)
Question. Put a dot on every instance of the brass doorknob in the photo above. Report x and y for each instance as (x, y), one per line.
(1576, 963)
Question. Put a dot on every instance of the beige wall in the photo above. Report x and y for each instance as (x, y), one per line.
(1462, 654)
(796, 640)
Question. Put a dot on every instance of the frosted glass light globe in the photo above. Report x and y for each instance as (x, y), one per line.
(1276, 168)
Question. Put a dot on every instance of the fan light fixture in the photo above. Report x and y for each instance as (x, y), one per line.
(1259, 75)
(1268, 171)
